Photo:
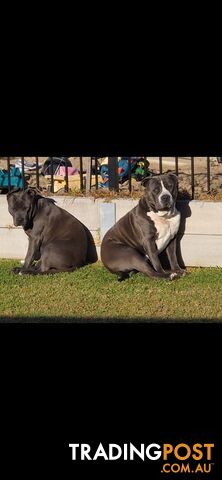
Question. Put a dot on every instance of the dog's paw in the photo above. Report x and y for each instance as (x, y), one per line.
(16, 270)
(173, 276)
(182, 272)
(122, 276)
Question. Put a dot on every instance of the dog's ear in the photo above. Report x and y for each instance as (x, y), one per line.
(145, 181)
(14, 190)
(173, 176)
(31, 191)
(170, 174)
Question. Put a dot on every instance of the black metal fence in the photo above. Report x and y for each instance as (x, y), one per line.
(88, 175)
(160, 170)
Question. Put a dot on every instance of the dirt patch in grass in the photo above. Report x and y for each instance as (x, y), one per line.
(93, 293)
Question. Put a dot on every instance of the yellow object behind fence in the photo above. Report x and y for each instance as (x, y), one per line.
(73, 182)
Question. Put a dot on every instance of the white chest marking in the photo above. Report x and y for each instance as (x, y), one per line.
(166, 226)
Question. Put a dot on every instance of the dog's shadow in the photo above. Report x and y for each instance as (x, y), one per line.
(184, 208)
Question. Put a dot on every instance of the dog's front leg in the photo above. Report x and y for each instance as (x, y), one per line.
(32, 254)
(172, 257)
(33, 248)
(152, 254)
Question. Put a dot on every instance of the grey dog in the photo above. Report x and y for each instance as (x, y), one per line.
(58, 242)
(134, 243)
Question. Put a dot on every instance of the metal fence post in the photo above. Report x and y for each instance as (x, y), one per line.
(88, 173)
(192, 178)
(37, 172)
(23, 174)
(52, 176)
(9, 173)
(81, 173)
(130, 174)
(113, 173)
(176, 165)
(96, 172)
(208, 174)
(66, 177)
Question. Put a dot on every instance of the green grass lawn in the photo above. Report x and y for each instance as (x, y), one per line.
(93, 292)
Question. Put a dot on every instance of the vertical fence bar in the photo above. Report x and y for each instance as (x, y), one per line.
(176, 165)
(192, 177)
(9, 173)
(52, 177)
(113, 173)
(130, 175)
(208, 174)
(66, 177)
(37, 171)
(96, 172)
(88, 174)
(161, 165)
(23, 174)
(81, 173)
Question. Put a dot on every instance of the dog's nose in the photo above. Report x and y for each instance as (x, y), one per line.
(165, 198)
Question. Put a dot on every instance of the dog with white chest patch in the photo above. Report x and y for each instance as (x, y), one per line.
(134, 243)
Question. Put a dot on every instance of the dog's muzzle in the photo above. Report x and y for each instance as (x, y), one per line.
(166, 201)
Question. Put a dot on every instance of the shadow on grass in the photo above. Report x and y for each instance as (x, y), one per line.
(103, 320)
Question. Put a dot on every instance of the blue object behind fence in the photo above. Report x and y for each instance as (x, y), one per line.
(16, 180)
(123, 171)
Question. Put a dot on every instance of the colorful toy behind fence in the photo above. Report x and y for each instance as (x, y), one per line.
(139, 170)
